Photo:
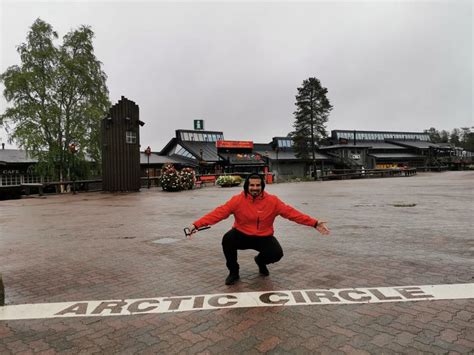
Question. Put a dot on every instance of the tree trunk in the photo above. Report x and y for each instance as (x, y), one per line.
(312, 139)
(61, 179)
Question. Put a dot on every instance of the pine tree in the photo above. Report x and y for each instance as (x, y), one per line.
(311, 115)
(434, 134)
(454, 138)
(444, 136)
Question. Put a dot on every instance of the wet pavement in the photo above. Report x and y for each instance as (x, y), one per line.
(391, 232)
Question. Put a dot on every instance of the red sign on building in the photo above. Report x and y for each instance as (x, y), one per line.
(235, 144)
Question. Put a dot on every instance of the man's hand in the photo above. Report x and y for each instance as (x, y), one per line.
(323, 228)
(192, 229)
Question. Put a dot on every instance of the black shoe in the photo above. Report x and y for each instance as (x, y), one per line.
(232, 278)
(262, 268)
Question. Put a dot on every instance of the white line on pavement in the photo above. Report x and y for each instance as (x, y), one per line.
(311, 297)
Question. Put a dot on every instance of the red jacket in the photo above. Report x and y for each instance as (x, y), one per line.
(255, 216)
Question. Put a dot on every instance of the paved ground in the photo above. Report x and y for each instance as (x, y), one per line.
(386, 232)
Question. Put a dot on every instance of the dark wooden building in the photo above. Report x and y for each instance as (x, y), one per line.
(121, 147)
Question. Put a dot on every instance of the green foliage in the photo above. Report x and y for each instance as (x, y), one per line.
(434, 135)
(444, 136)
(467, 138)
(228, 180)
(311, 116)
(58, 97)
(460, 137)
(455, 137)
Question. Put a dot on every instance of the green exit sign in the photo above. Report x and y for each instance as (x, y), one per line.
(198, 125)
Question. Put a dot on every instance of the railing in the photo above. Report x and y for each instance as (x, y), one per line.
(152, 181)
(340, 174)
(345, 161)
(433, 168)
(74, 185)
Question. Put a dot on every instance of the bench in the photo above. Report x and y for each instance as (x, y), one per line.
(208, 179)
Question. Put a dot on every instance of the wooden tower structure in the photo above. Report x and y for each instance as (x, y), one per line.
(121, 147)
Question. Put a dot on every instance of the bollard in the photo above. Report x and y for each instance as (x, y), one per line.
(2, 292)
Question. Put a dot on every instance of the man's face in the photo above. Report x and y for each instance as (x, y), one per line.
(255, 187)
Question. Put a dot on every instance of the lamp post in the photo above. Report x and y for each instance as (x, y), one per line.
(73, 151)
(201, 161)
(148, 153)
(277, 150)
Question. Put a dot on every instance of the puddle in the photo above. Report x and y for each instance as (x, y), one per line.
(165, 241)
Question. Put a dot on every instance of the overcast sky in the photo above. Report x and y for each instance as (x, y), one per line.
(387, 65)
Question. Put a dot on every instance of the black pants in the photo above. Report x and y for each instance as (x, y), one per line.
(269, 249)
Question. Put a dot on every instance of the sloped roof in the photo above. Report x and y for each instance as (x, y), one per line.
(156, 158)
(287, 154)
(413, 144)
(340, 146)
(209, 150)
(17, 156)
(385, 145)
(178, 159)
(396, 156)
(168, 146)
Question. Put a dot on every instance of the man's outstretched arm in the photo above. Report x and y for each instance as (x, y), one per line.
(291, 213)
(218, 214)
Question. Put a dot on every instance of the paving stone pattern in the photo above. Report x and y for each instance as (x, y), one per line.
(96, 246)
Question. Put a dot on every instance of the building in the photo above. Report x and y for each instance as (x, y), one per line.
(210, 155)
(385, 149)
(16, 167)
(284, 163)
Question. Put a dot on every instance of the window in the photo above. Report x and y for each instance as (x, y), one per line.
(130, 137)
(285, 143)
(183, 152)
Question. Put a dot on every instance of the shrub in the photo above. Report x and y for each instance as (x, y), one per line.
(187, 178)
(228, 180)
(170, 178)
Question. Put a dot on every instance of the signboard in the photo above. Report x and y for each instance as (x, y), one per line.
(235, 144)
(198, 125)
(10, 172)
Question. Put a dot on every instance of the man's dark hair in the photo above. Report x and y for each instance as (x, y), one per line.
(253, 176)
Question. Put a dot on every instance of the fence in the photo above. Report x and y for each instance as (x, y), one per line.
(340, 174)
